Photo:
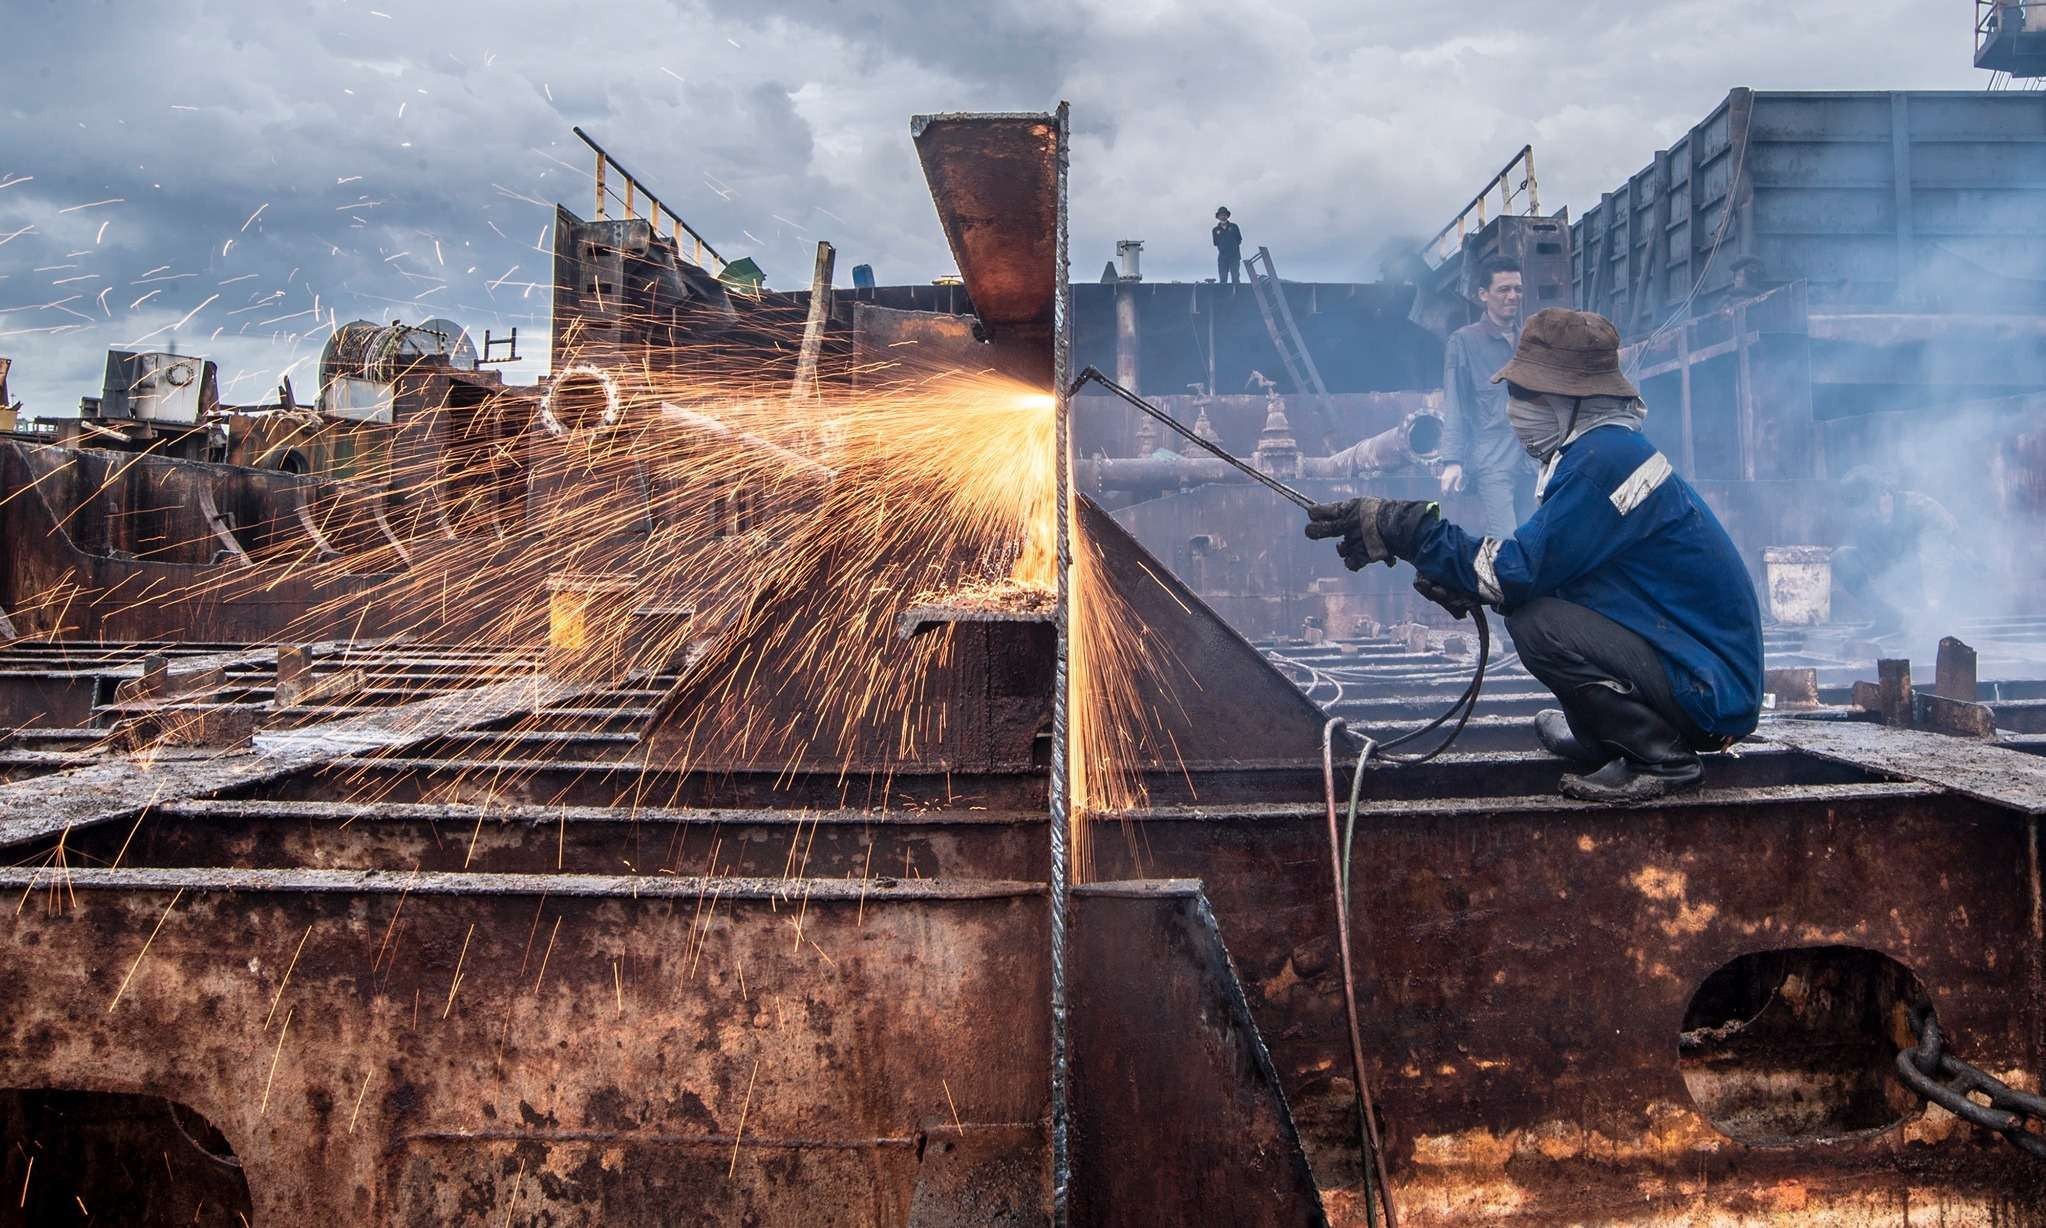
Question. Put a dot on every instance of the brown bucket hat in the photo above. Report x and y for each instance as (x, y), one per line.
(1569, 353)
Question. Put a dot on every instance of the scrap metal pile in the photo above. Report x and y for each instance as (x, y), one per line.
(657, 796)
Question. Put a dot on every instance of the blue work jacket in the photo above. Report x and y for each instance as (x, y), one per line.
(1619, 532)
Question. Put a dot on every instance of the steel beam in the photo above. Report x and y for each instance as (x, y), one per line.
(996, 180)
(125, 787)
(2006, 778)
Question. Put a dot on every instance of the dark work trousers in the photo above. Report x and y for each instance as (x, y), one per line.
(1569, 647)
(1229, 265)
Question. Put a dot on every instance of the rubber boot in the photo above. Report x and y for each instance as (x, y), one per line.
(1654, 760)
(1552, 730)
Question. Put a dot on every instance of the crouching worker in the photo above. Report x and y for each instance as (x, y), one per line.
(1622, 592)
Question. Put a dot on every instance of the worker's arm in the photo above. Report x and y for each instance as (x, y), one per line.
(1585, 518)
(1457, 398)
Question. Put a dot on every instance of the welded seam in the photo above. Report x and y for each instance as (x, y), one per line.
(308, 882)
(1061, 1154)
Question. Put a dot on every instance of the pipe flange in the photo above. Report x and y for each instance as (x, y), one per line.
(614, 406)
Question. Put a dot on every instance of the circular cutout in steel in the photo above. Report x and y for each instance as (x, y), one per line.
(581, 398)
(134, 1158)
(1800, 1046)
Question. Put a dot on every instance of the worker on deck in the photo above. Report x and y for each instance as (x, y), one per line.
(1622, 592)
(1900, 551)
(1479, 450)
(1228, 249)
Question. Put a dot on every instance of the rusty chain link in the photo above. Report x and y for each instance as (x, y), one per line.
(2008, 1112)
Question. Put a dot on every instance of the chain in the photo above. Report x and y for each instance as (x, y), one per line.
(2008, 1112)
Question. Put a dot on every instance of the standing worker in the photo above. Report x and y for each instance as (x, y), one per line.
(1478, 447)
(1228, 249)
(1622, 592)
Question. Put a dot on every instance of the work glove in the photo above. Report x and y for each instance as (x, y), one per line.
(1372, 530)
(1456, 602)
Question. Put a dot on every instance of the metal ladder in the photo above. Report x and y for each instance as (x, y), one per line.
(1271, 300)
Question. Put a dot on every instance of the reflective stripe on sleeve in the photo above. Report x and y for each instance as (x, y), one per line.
(1640, 484)
(1488, 575)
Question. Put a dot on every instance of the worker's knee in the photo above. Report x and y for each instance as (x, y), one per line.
(1534, 626)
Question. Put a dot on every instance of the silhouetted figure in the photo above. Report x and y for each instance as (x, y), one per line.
(1228, 249)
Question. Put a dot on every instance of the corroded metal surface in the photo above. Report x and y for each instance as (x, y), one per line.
(888, 341)
(1210, 699)
(125, 786)
(409, 1049)
(2006, 778)
(1527, 967)
(532, 839)
(1191, 1120)
(997, 183)
(994, 179)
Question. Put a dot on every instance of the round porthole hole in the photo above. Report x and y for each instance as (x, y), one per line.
(1800, 1045)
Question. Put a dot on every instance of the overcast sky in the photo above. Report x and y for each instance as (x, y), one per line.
(210, 172)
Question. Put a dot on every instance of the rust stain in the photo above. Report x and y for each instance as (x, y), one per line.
(1669, 887)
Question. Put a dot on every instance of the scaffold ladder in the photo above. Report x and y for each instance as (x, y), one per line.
(1271, 300)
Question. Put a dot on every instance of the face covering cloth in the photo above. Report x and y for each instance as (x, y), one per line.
(1537, 426)
(1548, 422)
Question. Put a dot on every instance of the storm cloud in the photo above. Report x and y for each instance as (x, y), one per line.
(232, 177)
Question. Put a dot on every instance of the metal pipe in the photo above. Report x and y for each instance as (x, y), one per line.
(1127, 337)
(1129, 254)
(1415, 440)
(1242, 466)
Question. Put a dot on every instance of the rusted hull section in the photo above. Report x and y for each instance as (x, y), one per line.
(414, 1047)
(1527, 967)
(554, 1050)
(1533, 974)
(110, 547)
(1191, 1120)
(754, 921)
